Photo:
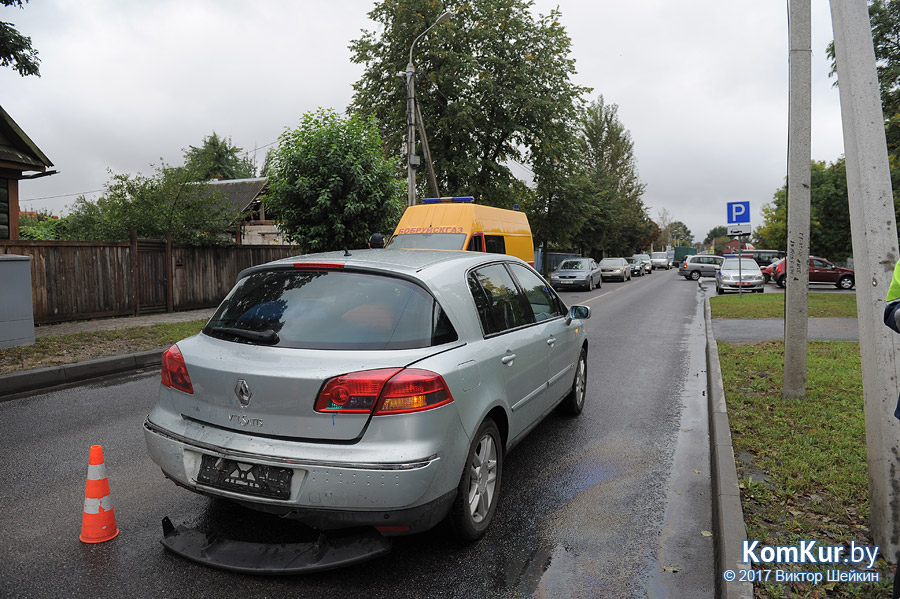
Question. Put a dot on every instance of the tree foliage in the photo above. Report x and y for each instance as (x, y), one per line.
(679, 234)
(330, 184)
(829, 231)
(169, 201)
(617, 221)
(15, 49)
(218, 158)
(493, 86)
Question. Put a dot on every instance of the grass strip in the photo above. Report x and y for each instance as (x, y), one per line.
(802, 462)
(77, 347)
(771, 305)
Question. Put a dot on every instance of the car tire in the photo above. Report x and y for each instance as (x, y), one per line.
(479, 486)
(845, 282)
(695, 275)
(719, 290)
(573, 403)
(780, 282)
(765, 279)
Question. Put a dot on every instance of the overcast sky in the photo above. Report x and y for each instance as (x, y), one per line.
(700, 84)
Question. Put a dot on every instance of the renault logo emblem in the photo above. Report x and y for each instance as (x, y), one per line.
(242, 391)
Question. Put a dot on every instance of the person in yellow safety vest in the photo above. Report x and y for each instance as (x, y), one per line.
(892, 319)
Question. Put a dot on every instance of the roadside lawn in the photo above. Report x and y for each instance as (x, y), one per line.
(771, 305)
(77, 347)
(801, 463)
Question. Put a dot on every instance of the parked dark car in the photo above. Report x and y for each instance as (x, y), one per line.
(820, 271)
(637, 267)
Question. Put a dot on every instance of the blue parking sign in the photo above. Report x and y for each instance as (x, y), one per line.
(738, 212)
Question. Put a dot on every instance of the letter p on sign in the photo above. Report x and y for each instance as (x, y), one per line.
(738, 212)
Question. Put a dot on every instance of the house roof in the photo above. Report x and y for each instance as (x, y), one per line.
(242, 193)
(17, 148)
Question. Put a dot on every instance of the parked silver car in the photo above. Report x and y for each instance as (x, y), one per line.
(659, 260)
(700, 265)
(739, 274)
(615, 268)
(379, 389)
(576, 272)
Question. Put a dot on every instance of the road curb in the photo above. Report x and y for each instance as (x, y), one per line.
(56, 376)
(728, 516)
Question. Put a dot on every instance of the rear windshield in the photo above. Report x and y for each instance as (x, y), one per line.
(330, 310)
(611, 262)
(658, 255)
(429, 241)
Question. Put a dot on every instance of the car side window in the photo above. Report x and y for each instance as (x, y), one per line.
(544, 303)
(820, 264)
(475, 244)
(495, 244)
(497, 299)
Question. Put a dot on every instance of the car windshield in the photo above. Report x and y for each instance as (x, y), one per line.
(429, 241)
(574, 265)
(611, 262)
(740, 263)
(631, 260)
(330, 310)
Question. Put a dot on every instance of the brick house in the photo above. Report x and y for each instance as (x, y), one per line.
(20, 159)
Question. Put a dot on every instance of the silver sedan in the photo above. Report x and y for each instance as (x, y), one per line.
(739, 274)
(379, 389)
(577, 272)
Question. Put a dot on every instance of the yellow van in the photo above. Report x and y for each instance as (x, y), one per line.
(459, 223)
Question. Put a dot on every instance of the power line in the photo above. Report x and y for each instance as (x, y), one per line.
(65, 195)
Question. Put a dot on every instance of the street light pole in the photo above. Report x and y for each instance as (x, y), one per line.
(412, 159)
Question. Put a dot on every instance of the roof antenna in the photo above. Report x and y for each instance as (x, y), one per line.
(347, 252)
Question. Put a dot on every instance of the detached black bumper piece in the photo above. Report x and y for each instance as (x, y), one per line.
(264, 558)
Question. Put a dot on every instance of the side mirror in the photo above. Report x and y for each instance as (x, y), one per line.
(579, 312)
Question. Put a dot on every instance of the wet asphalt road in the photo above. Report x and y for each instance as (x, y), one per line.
(612, 504)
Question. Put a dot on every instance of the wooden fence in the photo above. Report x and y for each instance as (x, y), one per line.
(75, 280)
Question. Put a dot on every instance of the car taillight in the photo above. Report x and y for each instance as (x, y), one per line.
(413, 390)
(384, 391)
(174, 371)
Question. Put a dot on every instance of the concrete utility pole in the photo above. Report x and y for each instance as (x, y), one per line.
(875, 252)
(796, 307)
(412, 160)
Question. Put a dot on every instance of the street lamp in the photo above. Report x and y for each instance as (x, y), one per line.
(412, 160)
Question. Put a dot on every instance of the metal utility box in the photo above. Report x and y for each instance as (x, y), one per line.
(16, 315)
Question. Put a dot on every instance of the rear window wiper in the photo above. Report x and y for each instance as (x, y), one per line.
(268, 337)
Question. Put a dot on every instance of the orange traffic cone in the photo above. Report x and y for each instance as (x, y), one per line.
(98, 522)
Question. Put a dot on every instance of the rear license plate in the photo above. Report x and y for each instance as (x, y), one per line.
(250, 479)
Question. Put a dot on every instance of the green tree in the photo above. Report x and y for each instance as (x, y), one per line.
(39, 226)
(494, 82)
(715, 232)
(170, 201)
(330, 183)
(679, 234)
(829, 231)
(617, 221)
(218, 158)
(15, 49)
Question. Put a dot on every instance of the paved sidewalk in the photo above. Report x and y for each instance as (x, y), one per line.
(40, 379)
(767, 329)
(124, 322)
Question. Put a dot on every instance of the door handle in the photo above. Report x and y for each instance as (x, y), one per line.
(551, 341)
(508, 358)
